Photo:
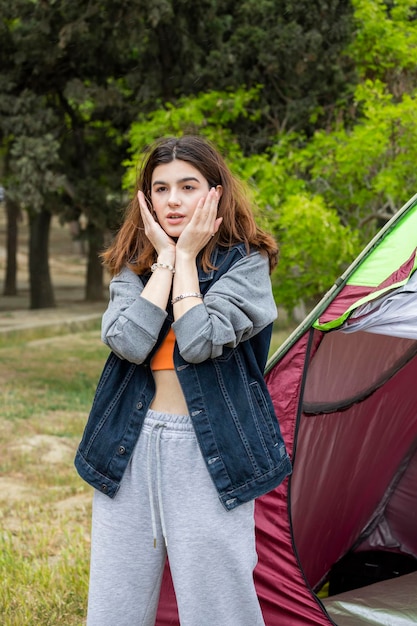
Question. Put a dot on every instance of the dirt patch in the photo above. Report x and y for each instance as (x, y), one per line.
(49, 448)
(14, 490)
(78, 502)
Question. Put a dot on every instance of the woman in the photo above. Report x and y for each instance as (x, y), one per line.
(182, 434)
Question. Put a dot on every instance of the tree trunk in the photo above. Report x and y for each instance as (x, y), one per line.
(94, 283)
(41, 290)
(10, 279)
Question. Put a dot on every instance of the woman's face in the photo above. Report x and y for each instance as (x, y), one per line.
(176, 188)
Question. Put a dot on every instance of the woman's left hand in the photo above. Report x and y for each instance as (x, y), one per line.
(203, 225)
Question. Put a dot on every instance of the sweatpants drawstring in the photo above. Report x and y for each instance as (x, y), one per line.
(158, 426)
(159, 485)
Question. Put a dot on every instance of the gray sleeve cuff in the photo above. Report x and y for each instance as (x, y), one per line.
(236, 307)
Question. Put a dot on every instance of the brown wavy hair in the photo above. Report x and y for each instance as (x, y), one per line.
(131, 247)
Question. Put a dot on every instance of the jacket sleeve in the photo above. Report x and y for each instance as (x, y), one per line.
(236, 307)
(131, 324)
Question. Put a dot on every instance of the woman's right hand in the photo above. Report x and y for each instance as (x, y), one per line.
(165, 246)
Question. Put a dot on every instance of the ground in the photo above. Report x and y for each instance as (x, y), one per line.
(51, 450)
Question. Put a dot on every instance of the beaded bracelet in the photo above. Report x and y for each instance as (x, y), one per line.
(163, 266)
(186, 295)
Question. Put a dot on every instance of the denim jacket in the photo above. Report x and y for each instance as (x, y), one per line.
(219, 356)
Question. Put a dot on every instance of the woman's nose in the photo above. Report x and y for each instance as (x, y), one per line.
(174, 199)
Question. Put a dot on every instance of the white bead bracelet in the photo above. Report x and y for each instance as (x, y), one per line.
(163, 266)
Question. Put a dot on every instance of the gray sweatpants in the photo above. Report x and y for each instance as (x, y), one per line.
(167, 504)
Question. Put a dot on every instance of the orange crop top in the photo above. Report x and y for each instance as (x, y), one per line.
(164, 357)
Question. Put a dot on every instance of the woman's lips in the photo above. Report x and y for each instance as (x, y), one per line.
(175, 218)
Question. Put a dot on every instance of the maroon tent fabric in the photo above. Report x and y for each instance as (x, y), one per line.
(286, 596)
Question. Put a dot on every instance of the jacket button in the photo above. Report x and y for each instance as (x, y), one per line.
(103, 488)
(122, 450)
(139, 405)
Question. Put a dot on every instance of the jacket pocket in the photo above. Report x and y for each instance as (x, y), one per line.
(113, 400)
(267, 418)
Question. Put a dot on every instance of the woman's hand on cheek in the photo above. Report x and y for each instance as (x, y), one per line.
(202, 226)
(156, 235)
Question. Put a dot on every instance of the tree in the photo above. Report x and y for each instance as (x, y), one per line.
(32, 181)
(95, 65)
(366, 170)
(315, 248)
(384, 47)
(294, 49)
(58, 93)
(12, 219)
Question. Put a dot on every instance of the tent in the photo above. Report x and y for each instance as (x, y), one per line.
(344, 386)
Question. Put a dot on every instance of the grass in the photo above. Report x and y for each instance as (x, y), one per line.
(23, 336)
(44, 572)
(47, 388)
(46, 392)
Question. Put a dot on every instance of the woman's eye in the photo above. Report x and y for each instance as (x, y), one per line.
(188, 187)
(159, 189)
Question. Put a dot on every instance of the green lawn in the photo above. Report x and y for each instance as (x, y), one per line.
(46, 391)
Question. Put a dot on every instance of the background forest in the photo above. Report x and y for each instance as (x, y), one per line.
(313, 102)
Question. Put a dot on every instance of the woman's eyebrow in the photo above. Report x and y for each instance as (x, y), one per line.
(181, 180)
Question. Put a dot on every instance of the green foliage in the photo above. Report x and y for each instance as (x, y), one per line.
(385, 42)
(366, 172)
(314, 250)
(294, 49)
(33, 175)
(315, 247)
(91, 68)
(208, 114)
(268, 174)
